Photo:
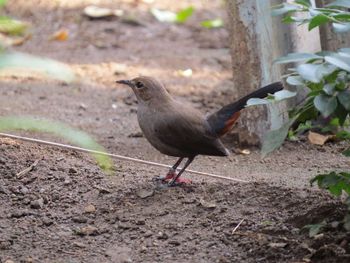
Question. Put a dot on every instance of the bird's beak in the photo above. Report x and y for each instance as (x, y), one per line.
(125, 82)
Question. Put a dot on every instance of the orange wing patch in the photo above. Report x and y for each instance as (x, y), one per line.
(230, 122)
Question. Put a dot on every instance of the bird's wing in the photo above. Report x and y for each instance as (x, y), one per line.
(189, 132)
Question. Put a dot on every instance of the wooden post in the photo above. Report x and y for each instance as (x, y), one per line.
(256, 39)
(331, 40)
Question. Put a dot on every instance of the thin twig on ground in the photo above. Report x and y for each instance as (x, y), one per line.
(234, 230)
(28, 169)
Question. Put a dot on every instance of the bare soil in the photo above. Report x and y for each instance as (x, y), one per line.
(67, 210)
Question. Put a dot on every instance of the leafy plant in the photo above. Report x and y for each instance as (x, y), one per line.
(325, 74)
(59, 129)
(314, 229)
(315, 16)
(336, 184)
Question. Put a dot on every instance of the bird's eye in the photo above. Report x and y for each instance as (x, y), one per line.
(139, 85)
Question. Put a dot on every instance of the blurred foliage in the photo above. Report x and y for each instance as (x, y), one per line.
(59, 129)
(30, 63)
(11, 26)
(51, 68)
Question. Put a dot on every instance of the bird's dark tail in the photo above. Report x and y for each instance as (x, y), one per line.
(222, 121)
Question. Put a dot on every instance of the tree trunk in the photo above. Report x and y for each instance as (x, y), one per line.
(256, 39)
(331, 40)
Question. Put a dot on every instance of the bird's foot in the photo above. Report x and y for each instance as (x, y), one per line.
(180, 181)
(169, 179)
(170, 175)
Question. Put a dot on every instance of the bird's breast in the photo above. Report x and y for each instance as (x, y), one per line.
(148, 119)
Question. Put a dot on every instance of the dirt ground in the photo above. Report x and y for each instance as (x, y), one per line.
(68, 210)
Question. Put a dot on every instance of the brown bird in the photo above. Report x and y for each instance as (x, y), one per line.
(180, 130)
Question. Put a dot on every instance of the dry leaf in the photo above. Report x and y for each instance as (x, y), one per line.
(144, 193)
(244, 151)
(90, 209)
(278, 245)
(319, 139)
(207, 204)
(60, 35)
(100, 12)
(185, 73)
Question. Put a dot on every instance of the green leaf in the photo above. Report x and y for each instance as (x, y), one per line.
(305, 3)
(288, 19)
(304, 127)
(215, 23)
(274, 138)
(2, 3)
(314, 229)
(59, 129)
(346, 153)
(49, 67)
(12, 26)
(325, 104)
(296, 57)
(341, 113)
(344, 99)
(344, 135)
(315, 72)
(334, 182)
(345, 17)
(341, 28)
(329, 89)
(340, 3)
(184, 14)
(318, 21)
(310, 72)
(295, 81)
(257, 101)
(284, 94)
(339, 61)
(283, 9)
(344, 50)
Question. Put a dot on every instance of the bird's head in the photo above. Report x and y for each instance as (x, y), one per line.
(146, 89)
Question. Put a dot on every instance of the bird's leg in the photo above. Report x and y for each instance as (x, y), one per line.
(172, 171)
(176, 180)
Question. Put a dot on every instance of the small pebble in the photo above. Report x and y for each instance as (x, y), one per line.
(148, 233)
(79, 219)
(47, 221)
(72, 170)
(88, 231)
(90, 209)
(37, 204)
(162, 235)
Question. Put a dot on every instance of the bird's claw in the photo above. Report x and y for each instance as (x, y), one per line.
(179, 181)
(169, 179)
